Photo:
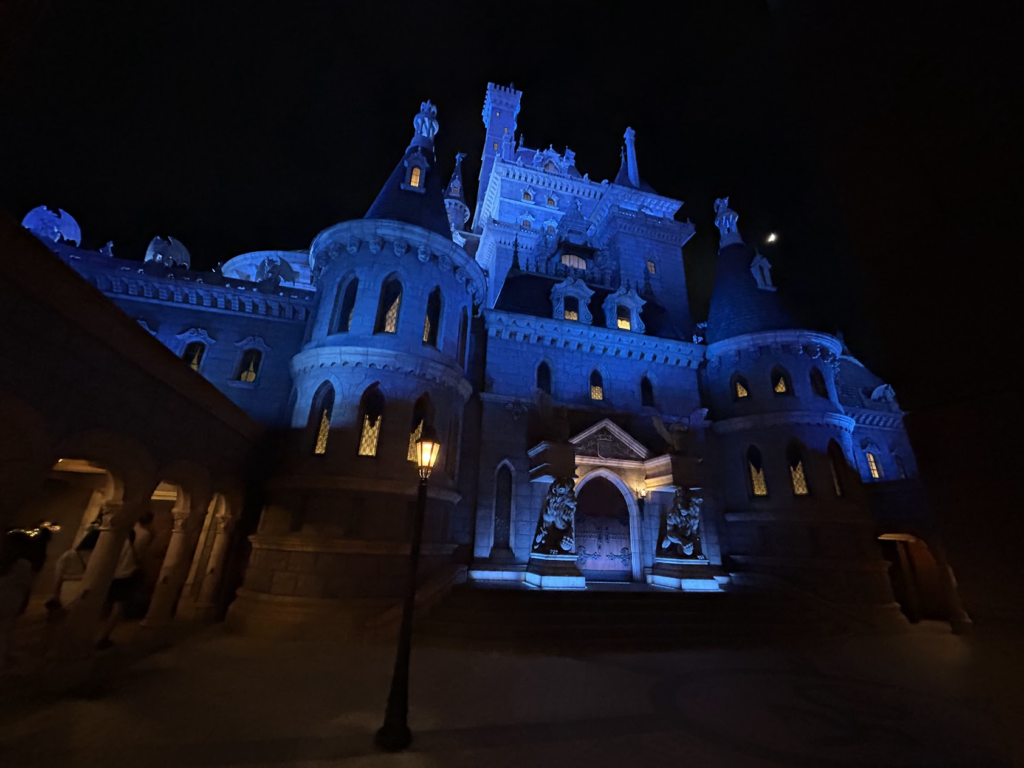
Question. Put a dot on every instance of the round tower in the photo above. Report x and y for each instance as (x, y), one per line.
(383, 358)
(455, 198)
(792, 506)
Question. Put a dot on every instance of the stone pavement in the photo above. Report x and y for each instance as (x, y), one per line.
(926, 698)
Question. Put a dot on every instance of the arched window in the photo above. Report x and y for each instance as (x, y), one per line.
(901, 468)
(781, 384)
(544, 378)
(249, 366)
(551, 229)
(372, 411)
(758, 486)
(836, 462)
(596, 386)
(873, 466)
(818, 386)
(740, 389)
(390, 303)
(193, 355)
(526, 224)
(463, 336)
(320, 415)
(415, 176)
(571, 308)
(623, 318)
(432, 321)
(422, 415)
(797, 476)
(345, 307)
(646, 393)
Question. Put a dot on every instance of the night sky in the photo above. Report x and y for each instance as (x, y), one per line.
(867, 139)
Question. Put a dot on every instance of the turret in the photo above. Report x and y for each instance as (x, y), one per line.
(501, 106)
(455, 198)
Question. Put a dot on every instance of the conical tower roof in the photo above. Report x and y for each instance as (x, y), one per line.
(743, 300)
(410, 197)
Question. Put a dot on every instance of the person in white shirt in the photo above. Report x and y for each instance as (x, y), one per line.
(70, 567)
(127, 575)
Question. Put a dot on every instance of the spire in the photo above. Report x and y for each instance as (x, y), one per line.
(412, 192)
(455, 199)
(743, 300)
(515, 253)
(634, 170)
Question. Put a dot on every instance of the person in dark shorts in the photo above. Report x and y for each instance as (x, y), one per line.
(127, 575)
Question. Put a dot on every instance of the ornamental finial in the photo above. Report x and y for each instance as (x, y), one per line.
(725, 220)
(426, 122)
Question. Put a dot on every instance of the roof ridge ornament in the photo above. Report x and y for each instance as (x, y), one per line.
(631, 163)
(426, 124)
(725, 220)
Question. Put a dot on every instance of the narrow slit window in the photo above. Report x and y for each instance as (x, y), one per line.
(873, 466)
(320, 414)
(651, 267)
(797, 476)
(544, 378)
(432, 320)
(646, 393)
(346, 307)
(373, 416)
(596, 386)
(390, 304)
(415, 176)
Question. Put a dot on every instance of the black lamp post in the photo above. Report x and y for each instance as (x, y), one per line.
(394, 735)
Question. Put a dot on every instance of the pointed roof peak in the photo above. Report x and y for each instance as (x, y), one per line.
(455, 191)
(413, 192)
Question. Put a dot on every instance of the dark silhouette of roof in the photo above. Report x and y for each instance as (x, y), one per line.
(738, 306)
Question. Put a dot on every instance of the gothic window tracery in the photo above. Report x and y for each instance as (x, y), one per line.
(873, 466)
(390, 304)
(432, 320)
(372, 416)
(320, 415)
(797, 476)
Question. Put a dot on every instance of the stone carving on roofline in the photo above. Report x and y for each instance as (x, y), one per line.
(168, 252)
(761, 269)
(275, 271)
(47, 225)
(604, 445)
(556, 527)
(725, 220)
(883, 393)
(680, 537)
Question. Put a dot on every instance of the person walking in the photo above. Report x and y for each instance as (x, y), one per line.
(127, 576)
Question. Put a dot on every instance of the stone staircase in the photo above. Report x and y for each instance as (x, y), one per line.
(496, 618)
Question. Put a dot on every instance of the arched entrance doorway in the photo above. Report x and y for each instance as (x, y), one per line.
(604, 526)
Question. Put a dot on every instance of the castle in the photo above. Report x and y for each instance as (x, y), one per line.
(591, 431)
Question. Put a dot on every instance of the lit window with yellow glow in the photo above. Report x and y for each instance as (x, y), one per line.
(596, 386)
(574, 261)
(495, 146)
(391, 318)
(413, 437)
(780, 385)
(873, 468)
(506, 129)
(651, 268)
(796, 473)
(323, 433)
(739, 390)
(414, 178)
(368, 439)
(622, 318)
(571, 308)
(758, 485)
(249, 367)
(193, 355)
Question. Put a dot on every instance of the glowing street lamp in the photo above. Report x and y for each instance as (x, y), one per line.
(641, 495)
(394, 735)
(772, 237)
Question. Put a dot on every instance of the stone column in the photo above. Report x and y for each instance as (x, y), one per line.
(116, 519)
(206, 603)
(174, 569)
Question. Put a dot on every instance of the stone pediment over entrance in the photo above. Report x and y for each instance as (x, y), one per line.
(607, 440)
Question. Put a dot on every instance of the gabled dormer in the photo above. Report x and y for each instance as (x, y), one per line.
(570, 300)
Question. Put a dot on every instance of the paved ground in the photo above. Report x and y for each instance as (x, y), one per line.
(923, 699)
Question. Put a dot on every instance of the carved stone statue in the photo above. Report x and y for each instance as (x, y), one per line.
(681, 538)
(725, 220)
(108, 249)
(556, 527)
(276, 271)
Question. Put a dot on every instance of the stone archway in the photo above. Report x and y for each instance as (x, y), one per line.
(607, 529)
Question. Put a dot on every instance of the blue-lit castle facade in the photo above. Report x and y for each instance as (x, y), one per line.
(591, 431)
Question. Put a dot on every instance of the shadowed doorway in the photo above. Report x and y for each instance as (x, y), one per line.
(602, 532)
